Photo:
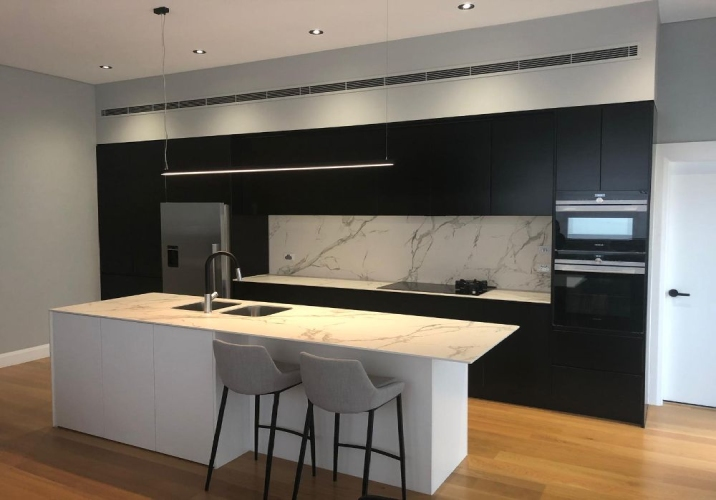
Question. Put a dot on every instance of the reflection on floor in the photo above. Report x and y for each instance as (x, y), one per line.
(514, 452)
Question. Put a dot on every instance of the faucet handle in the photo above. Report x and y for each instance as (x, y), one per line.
(214, 295)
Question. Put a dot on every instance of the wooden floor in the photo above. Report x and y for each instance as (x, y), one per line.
(514, 452)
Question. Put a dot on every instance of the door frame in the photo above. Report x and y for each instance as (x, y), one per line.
(667, 158)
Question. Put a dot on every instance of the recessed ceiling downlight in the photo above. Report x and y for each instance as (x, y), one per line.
(104, 66)
(199, 51)
(316, 32)
(466, 6)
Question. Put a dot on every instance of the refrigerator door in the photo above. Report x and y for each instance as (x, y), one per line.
(190, 233)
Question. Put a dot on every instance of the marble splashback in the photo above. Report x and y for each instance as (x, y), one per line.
(503, 250)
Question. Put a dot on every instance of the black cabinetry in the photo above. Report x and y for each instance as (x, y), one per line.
(523, 164)
(197, 154)
(605, 148)
(129, 190)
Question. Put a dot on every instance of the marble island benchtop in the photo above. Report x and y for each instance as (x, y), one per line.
(436, 338)
(510, 295)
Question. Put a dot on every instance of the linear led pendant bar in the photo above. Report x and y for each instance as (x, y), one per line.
(278, 169)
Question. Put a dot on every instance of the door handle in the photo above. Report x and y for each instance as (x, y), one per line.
(675, 293)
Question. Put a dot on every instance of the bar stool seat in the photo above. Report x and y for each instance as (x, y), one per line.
(249, 370)
(343, 386)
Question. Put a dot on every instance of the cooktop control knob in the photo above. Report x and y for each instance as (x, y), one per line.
(600, 200)
(598, 260)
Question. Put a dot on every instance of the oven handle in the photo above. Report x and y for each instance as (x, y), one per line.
(600, 208)
(598, 269)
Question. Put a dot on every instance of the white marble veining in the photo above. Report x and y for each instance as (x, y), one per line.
(510, 295)
(444, 339)
(502, 250)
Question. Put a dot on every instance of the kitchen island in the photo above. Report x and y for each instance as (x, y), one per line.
(139, 371)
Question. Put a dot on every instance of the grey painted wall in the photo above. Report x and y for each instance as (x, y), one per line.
(49, 253)
(686, 81)
(622, 81)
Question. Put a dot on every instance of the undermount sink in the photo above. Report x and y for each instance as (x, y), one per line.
(257, 311)
(199, 306)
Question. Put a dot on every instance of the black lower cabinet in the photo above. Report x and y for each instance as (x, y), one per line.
(616, 396)
(114, 286)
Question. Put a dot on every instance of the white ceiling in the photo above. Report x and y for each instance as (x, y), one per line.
(72, 38)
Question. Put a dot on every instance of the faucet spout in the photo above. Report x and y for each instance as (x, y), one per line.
(209, 294)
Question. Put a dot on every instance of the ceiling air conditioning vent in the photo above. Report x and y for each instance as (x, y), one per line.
(253, 96)
(227, 99)
(403, 79)
(192, 103)
(114, 112)
(543, 62)
(275, 94)
(434, 76)
(486, 69)
(146, 108)
(448, 73)
(329, 87)
(365, 84)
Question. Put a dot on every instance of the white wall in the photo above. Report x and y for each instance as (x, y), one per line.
(49, 254)
(623, 81)
(686, 79)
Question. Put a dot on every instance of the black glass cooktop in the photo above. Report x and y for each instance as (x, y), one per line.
(410, 286)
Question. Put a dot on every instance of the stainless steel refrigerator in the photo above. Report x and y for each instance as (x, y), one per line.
(190, 233)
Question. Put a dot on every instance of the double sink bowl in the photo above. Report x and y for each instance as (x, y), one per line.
(251, 311)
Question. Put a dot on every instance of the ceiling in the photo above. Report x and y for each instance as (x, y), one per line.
(686, 10)
(72, 38)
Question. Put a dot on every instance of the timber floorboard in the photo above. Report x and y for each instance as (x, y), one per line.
(514, 453)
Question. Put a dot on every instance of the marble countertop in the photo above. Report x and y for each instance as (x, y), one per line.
(445, 339)
(511, 295)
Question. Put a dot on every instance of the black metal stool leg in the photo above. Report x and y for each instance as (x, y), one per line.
(302, 453)
(215, 445)
(257, 414)
(336, 438)
(313, 445)
(272, 437)
(401, 442)
(368, 448)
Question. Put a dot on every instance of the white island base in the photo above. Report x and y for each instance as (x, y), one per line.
(152, 383)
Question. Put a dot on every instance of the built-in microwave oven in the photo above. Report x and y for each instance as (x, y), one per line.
(601, 223)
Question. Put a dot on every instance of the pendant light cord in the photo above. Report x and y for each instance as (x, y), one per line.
(164, 84)
(385, 78)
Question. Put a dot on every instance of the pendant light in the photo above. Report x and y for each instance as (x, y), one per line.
(281, 168)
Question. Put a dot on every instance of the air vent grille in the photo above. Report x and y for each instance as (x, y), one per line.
(584, 57)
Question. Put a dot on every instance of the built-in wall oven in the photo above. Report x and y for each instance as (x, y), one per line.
(599, 280)
(602, 222)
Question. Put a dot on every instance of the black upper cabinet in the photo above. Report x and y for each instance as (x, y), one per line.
(460, 170)
(605, 148)
(200, 153)
(325, 192)
(129, 191)
(627, 141)
(579, 148)
(522, 164)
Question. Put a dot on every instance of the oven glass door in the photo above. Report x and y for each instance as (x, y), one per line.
(607, 301)
(608, 228)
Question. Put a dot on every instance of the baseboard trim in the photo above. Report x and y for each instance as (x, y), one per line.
(24, 355)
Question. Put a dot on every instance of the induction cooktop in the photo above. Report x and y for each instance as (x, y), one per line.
(411, 286)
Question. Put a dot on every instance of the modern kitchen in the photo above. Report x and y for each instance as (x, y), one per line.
(388, 250)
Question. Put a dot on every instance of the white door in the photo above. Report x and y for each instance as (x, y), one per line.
(690, 333)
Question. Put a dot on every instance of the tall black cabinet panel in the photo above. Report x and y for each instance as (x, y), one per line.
(579, 148)
(129, 190)
(522, 164)
(627, 141)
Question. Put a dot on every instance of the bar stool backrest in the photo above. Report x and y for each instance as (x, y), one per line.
(337, 385)
(246, 369)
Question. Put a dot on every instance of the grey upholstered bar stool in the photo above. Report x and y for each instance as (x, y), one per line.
(249, 370)
(343, 386)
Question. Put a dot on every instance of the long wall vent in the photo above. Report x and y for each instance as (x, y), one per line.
(546, 62)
